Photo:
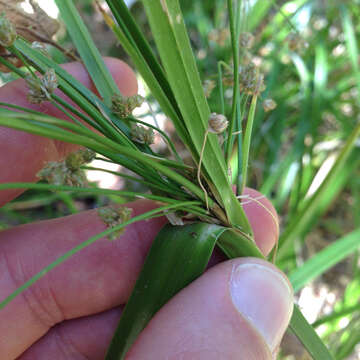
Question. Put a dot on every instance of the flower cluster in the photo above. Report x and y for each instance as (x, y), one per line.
(113, 216)
(67, 172)
(40, 89)
(251, 80)
(142, 135)
(124, 106)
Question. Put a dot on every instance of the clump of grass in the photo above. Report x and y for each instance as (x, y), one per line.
(198, 197)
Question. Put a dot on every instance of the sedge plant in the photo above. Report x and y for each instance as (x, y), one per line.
(198, 199)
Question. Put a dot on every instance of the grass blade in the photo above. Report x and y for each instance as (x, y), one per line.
(89, 53)
(308, 337)
(177, 257)
(305, 216)
(170, 35)
(325, 259)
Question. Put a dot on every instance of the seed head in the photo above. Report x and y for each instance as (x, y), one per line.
(246, 40)
(124, 106)
(217, 123)
(75, 160)
(251, 80)
(7, 31)
(142, 135)
(113, 216)
(269, 104)
(40, 89)
(296, 42)
(57, 173)
(67, 172)
(208, 87)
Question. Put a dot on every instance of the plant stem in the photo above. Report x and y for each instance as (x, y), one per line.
(235, 50)
(247, 141)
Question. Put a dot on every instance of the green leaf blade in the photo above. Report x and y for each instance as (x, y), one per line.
(177, 257)
(325, 259)
(88, 50)
(308, 337)
(178, 60)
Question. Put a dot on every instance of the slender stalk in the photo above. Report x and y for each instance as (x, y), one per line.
(99, 191)
(163, 188)
(221, 88)
(63, 110)
(76, 112)
(336, 315)
(235, 50)
(239, 176)
(101, 145)
(247, 141)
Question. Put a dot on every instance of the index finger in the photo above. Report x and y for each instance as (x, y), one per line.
(22, 155)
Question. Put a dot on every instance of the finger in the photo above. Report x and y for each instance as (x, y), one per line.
(23, 154)
(85, 338)
(236, 322)
(238, 309)
(263, 219)
(98, 278)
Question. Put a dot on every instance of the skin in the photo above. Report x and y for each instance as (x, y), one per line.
(72, 312)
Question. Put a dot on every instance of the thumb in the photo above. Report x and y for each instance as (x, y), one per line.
(238, 309)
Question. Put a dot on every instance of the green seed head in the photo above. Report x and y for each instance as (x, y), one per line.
(124, 106)
(113, 216)
(75, 160)
(40, 89)
(246, 40)
(7, 31)
(67, 172)
(142, 135)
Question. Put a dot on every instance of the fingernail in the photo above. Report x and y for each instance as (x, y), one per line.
(264, 297)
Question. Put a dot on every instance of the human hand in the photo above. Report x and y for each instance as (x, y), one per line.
(238, 309)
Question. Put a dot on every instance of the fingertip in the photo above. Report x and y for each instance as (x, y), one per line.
(222, 315)
(263, 219)
(123, 75)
